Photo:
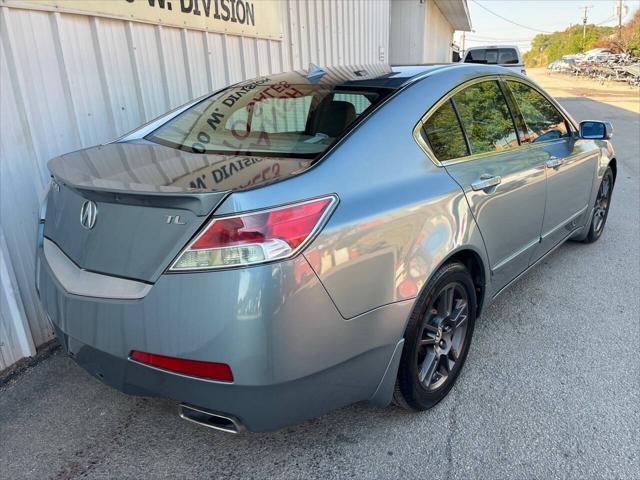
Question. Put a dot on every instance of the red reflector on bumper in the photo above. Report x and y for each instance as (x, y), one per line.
(192, 368)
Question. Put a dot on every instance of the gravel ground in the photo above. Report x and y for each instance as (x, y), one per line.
(550, 390)
(617, 94)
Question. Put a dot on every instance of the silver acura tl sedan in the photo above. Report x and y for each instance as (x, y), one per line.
(303, 241)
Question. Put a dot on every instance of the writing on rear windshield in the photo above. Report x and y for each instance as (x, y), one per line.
(231, 172)
(246, 100)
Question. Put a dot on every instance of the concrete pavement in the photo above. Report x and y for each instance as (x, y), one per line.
(551, 389)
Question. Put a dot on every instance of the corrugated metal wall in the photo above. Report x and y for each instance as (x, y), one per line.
(71, 81)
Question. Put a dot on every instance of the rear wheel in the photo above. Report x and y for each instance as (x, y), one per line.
(601, 208)
(437, 339)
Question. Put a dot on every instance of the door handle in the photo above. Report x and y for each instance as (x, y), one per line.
(486, 182)
(554, 162)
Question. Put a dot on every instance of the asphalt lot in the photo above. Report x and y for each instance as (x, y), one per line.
(551, 389)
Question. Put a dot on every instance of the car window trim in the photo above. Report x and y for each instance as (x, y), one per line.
(438, 163)
(518, 117)
(506, 94)
(461, 125)
(568, 124)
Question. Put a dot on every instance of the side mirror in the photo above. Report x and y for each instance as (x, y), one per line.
(595, 130)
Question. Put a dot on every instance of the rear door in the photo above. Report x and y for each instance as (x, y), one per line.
(570, 164)
(503, 183)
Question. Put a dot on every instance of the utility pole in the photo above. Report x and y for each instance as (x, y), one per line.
(619, 12)
(585, 11)
(462, 43)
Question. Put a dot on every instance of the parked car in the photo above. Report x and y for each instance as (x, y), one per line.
(595, 55)
(571, 59)
(561, 66)
(303, 241)
(507, 56)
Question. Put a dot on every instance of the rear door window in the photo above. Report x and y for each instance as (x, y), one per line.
(444, 134)
(486, 118)
(542, 119)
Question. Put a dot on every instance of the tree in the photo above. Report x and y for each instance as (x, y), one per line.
(628, 39)
(546, 48)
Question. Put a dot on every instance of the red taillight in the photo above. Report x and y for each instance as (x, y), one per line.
(255, 237)
(193, 368)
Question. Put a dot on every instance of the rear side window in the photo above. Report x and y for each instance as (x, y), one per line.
(444, 133)
(486, 118)
(542, 120)
(493, 56)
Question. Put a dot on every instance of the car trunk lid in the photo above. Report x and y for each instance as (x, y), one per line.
(149, 201)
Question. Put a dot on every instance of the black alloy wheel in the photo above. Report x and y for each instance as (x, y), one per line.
(437, 338)
(601, 207)
(444, 330)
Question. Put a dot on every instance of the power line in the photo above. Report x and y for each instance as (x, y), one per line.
(606, 21)
(486, 44)
(499, 39)
(478, 43)
(507, 20)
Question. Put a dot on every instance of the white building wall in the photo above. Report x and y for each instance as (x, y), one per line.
(419, 33)
(71, 81)
(438, 39)
(406, 32)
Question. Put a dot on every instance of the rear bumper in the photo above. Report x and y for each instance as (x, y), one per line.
(259, 408)
(292, 355)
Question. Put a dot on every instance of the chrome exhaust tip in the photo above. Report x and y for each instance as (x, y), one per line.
(206, 418)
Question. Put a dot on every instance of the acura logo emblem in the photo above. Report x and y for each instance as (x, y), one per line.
(88, 214)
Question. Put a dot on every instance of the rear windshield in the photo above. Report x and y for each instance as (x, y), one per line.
(283, 120)
(493, 56)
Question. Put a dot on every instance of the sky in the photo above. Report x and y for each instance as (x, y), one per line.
(545, 15)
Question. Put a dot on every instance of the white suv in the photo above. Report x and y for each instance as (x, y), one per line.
(504, 55)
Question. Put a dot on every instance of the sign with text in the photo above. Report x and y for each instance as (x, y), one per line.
(253, 18)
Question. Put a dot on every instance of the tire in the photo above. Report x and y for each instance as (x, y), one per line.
(601, 207)
(438, 333)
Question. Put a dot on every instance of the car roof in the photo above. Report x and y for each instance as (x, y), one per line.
(352, 76)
